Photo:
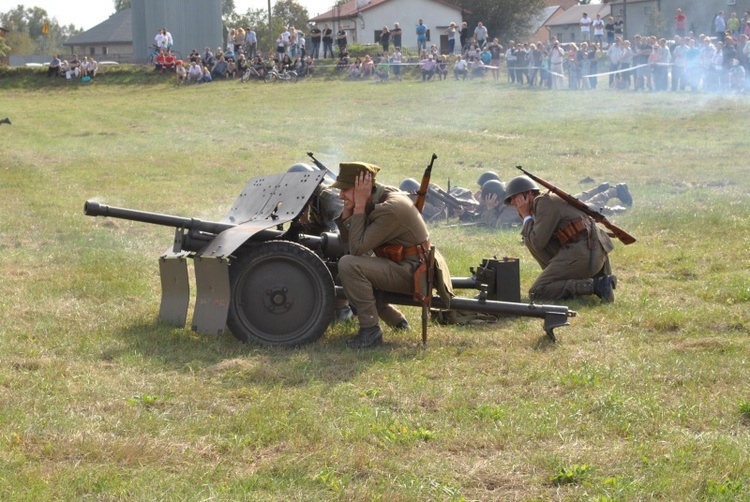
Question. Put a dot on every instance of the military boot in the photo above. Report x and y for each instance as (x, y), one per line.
(366, 337)
(624, 194)
(604, 287)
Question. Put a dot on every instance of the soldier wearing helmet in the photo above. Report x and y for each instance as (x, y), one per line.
(493, 212)
(571, 249)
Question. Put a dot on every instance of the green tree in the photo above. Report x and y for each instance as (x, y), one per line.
(227, 8)
(504, 19)
(290, 13)
(121, 5)
(25, 35)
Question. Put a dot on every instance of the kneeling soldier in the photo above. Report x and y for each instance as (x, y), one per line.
(571, 249)
(381, 220)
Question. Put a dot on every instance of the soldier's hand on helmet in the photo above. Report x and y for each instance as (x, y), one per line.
(491, 201)
(522, 202)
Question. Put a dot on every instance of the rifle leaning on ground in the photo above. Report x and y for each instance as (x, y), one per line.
(597, 216)
(419, 203)
(453, 203)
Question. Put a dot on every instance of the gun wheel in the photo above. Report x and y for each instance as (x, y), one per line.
(281, 294)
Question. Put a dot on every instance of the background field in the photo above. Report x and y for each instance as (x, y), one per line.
(646, 398)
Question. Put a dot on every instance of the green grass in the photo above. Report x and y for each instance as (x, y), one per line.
(646, 398)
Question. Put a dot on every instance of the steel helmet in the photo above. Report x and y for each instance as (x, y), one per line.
(518, 185)
(301, 168)
(409, 185)
(486, 176)
(493, 187)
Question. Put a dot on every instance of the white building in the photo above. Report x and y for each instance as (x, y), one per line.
(364, 20)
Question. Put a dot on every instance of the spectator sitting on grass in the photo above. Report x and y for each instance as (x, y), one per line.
(160, 63)
(54, 66)
(170, 61)
(93, 68)
(231, 69)
(355, 69)
(368, 66)
(428, 66)
(477, 68)
(208, 58)
(194, 56)
(381, 70)
(459, 68)
(442, 68)
(180, 72)
(220, 69)
(194, 72)
(344, 62)
(75, 66)
(206, 77)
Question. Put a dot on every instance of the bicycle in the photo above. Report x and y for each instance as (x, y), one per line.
(251, 73)
(289, 76)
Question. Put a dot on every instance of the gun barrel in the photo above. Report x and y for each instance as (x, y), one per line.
(91, 208)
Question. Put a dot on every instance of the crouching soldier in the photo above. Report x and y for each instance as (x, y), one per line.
(571, 249)
(388, 245)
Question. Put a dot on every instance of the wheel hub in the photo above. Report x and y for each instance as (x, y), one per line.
(277, 299)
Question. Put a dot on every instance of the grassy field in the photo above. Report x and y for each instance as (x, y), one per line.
(646, 398)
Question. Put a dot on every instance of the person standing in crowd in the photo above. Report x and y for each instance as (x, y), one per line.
(480, 35)
(585, 23)
(382, 220)
(609, 30)
(510, 61)
(451, 32)
(327, 41)
(569, 246)
(315, 39)
(679, 64)
(421, 36)
(396, 35)
(720, 26)
(251, 43)
(385, 39)
(614, 54)
(341, 39)
(680, 23)
(598, 26)
(464, 38)
(619, 27)
(495, 50)
(556, 58)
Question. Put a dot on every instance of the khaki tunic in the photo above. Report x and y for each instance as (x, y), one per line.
(393, 219)
(566, 270)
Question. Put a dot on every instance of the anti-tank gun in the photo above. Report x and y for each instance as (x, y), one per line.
(260, 275)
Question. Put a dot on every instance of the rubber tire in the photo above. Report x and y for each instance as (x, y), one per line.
(281, 294)
(292, 77)
(270, 77)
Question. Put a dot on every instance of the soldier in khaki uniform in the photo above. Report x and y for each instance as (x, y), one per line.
(382, 220)
(571, 249)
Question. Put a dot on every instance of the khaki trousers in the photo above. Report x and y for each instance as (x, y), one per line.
(360, 275)
(570, 272)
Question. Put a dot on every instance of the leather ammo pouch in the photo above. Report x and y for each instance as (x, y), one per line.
(394, 252)
(571, 232)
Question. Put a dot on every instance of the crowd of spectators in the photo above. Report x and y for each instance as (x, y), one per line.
(713, 63)
(75, 68)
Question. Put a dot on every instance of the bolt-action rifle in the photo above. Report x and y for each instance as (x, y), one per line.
(597, 216)
(454, 204)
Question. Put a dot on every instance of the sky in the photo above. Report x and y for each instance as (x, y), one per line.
(88, 13)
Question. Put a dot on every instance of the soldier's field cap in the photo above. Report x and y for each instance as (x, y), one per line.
(348, 172)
